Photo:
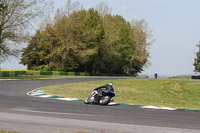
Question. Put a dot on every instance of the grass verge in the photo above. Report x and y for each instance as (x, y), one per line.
(8, 132)
(170, 93)
(25, 77)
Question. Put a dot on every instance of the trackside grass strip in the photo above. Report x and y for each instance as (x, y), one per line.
(26, 77)
(8, 132)
(168, 93)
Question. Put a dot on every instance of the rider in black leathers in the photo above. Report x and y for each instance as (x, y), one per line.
(108, 87)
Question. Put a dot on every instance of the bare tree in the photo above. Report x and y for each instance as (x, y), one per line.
(72, 7)
(143, 39)
(16, 17)
(103, 9)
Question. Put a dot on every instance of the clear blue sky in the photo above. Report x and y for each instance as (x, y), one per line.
(175, 26)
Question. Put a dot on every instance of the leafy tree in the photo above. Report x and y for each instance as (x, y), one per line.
(16, 16)
(197, 60)
(31, 53)
(68, 43)
(141, 34)
(116, 45)
(89, 40)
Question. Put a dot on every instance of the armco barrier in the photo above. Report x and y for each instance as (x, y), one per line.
(71, 73)
(12, 74)
(46, 73)
(20, 72)
(4, 73)
(56, 73)
(33, 72)
(63, 73)
(30, 72)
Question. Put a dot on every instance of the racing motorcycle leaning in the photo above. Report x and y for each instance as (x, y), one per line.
(100, 97)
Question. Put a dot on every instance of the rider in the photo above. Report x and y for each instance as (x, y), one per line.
(99, 91)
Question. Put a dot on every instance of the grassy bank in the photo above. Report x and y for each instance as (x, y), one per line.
(171, 93)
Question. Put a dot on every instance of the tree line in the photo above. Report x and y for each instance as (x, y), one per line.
(90, 40)
(76, 39)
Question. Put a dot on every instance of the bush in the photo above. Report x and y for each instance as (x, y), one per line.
(42, 68)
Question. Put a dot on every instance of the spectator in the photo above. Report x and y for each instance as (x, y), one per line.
(155, 75)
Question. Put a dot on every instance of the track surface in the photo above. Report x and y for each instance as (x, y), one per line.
(24, 113)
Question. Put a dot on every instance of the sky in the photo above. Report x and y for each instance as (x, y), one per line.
(175, 26)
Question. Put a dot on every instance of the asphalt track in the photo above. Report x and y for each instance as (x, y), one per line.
(23, 113)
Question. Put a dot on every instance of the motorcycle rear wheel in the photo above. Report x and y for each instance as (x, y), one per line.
(105, 100)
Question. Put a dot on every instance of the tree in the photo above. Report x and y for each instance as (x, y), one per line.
(143, 39)
(197, 59)
(16, 17)
(103, 9)
(72, 7)
(1, 6)
(31, 53)
(116, 46)
(90, 41)
(68, 44)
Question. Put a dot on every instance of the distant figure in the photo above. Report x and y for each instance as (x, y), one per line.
(155, 75)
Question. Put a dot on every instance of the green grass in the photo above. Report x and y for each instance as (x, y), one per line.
(8, 132)
(170, 93)
(25, 77)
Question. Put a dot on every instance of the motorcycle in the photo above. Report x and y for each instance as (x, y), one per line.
(104, 99)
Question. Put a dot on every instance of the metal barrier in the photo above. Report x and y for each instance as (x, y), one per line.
(29, 72)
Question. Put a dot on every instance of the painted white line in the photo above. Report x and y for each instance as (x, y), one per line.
(67, 99)
(45, 96)
(34, 94)
(8, 79)
(168, 108)
(150, 107)
(31, 92)
(154, 107)
(39, 91)
(112, 104)
(57, 113)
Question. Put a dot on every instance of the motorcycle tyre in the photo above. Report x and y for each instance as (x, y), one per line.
(87, 101)
(105, 102)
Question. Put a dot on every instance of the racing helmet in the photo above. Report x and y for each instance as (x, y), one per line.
(110, 83)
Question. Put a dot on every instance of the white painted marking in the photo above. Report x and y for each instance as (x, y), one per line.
(168, 108)
(39, 91)
(154, 107)
(150, 107)
(8, 79)
(67, 99)
(112, 104)
(56, 113)
(33, 94)
(45, 96)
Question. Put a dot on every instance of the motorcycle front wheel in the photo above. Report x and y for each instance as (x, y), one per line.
(87, 101)
(104, 100)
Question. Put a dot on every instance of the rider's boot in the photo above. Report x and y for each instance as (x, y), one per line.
(112, 100)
